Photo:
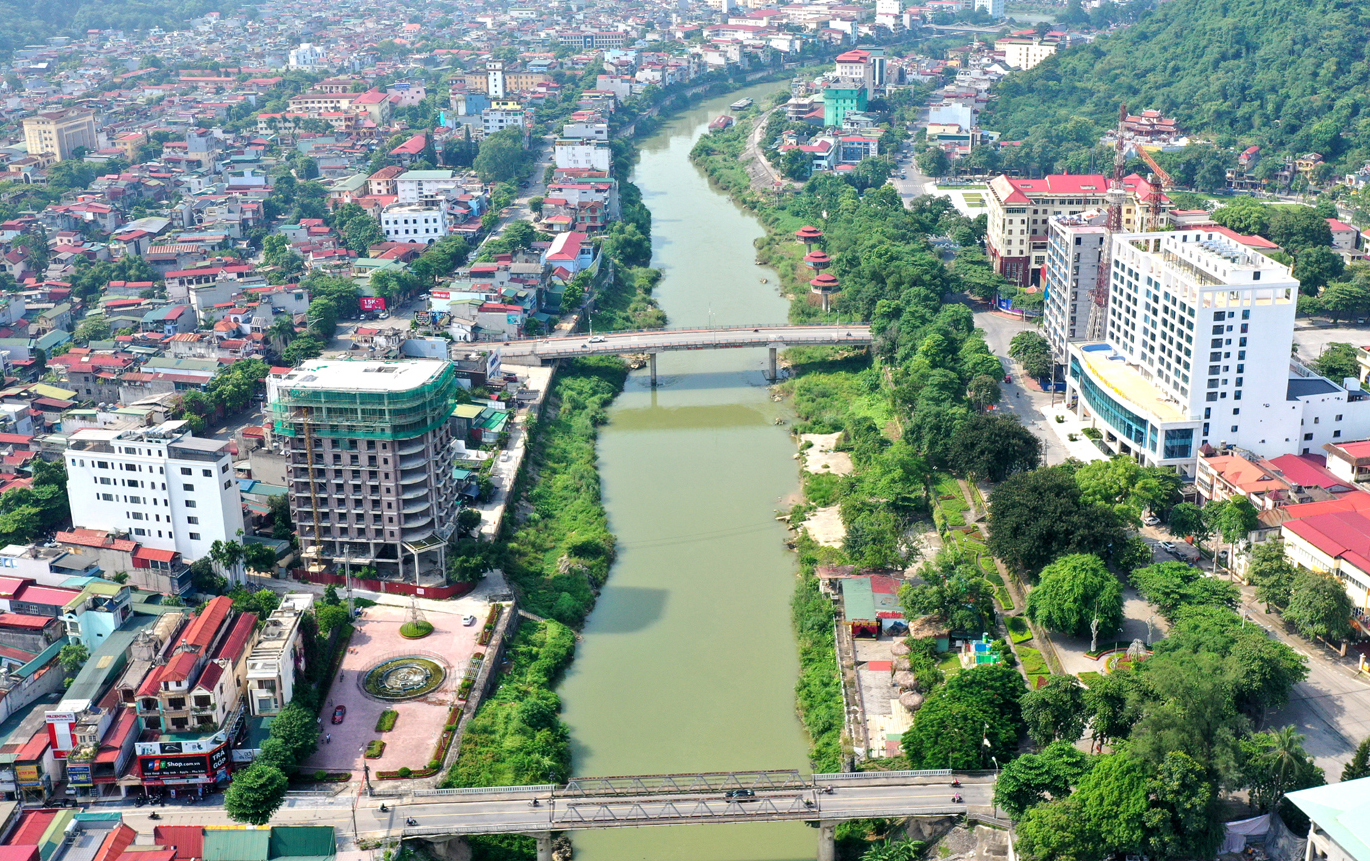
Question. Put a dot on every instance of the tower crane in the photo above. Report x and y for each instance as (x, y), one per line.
(1163, 181)
(1114, 198)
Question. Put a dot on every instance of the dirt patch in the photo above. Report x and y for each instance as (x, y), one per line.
(821, 458)
(825, 526)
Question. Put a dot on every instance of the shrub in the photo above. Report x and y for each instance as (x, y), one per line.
(375, 748)
(321, 775)
(405, 772)
(1033, 662)
(386, 722)
(1018, 629)
(416, 630)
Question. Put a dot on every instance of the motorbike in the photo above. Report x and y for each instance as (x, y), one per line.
(955, 782)
(154, 815)
(956, 799)
(384, 809)
(827, 790)
(411, 821)
(535, 802)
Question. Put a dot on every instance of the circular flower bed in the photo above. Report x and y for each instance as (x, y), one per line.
(404, 678)
(416, 630)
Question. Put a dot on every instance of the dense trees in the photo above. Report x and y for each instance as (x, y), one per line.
(1033, 352)
(1172, 585)
(29, 513)
(1035, 517)
(994, 447)
(954, 590)
(1073, 592)
(1337, 362)
(255, 794)
(970, 718)
(1252, 74)
(1319, 607)
(1055, 711)
(502, 157)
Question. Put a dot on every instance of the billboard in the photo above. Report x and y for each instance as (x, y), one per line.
(79, 775)
(371, 303)
(26, 775)
(183, 766)
(441, 294)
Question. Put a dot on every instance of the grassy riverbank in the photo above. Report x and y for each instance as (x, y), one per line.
(560, 547)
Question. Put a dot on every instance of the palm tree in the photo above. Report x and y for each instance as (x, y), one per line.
(282, 331)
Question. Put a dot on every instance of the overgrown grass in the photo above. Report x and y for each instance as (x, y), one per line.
(950, 663)
(818, 692)
(517, 737)
(561, 553)
(822, 489)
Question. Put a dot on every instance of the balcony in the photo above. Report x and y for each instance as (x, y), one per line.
(414, 493)
(413, 460)
(411, 446)
(414, 476)
(415, 506)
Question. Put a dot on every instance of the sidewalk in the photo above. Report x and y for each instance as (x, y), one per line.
(1082, 447)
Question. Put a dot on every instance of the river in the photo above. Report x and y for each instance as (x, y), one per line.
(688, 663)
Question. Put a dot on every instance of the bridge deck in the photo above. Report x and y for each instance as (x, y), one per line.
(668, 340)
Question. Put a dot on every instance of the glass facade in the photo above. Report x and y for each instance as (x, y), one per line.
(1179, 443)
(1132, 426)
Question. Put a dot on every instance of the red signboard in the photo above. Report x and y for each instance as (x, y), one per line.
(372, 303)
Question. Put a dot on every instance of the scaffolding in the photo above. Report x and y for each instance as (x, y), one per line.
(360, 414)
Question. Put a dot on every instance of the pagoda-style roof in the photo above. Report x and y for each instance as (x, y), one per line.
(824, 282)
(809, 233)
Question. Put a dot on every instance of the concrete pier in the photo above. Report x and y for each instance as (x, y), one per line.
(827, 841)
(651, 363)
(544, 840)
(770, 366)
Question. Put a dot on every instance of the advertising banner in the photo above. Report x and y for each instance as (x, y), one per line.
(173, 766)
(371, 303)
(26, 775)
(79, 775)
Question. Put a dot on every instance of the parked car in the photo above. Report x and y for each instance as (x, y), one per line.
(339, 713)
(468, 621)
(1151, 520)
(1168, 546)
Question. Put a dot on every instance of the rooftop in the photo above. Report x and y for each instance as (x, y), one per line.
(364, 376)
(1127, 382)
(1342, 810)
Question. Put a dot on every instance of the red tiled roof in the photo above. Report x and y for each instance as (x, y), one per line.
(179, 668)
(1341, 535)
(155, 555)
(94, 538)
(202, 630)
(187, 840)
(32, 826)
(19, 620)
(237, 638)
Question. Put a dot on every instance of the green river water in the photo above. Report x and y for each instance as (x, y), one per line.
(688, 662)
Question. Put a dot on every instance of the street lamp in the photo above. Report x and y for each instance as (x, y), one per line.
(996, 786)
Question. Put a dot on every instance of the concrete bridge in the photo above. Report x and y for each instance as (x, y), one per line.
(653, 341)
(440, 815)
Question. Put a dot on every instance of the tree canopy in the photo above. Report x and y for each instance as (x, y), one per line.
(1072, 592)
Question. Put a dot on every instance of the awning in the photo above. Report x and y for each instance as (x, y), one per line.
(154, 555)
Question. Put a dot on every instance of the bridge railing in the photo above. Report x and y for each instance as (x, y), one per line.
(848, 776)
(666, 784)
(539, 789)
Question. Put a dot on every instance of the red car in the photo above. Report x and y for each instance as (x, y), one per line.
(339, 713)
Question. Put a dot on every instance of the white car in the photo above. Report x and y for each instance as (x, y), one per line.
(468, 621)
(597, 339)
(1151, 520)
(1168, 546)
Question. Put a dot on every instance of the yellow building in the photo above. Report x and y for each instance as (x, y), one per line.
(60, 132)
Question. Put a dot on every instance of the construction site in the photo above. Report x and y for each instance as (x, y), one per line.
(370, 472)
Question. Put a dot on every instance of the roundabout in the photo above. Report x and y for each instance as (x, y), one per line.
(403, 678)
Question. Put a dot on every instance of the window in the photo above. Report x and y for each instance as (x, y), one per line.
(1307, 437)
(193, 521)
(185, 470)
(194, 536)
(187, 487)
(208, 473)
(190, 503)
(1338, 418)
(1212, 396)
(1336, 434)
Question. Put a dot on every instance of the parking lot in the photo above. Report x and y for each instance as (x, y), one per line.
(410, 743)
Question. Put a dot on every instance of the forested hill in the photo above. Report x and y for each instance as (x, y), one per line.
(1291, 75)
(25, 22)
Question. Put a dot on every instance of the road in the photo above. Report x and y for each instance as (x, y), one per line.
(1028, 404)
(509, 810)
(1312, 337)
(753, 151)
(667, 340)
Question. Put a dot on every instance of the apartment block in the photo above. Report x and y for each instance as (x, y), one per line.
(161, 486)
(1077, 245)
(370, 463)
(413, 223)
(59, 133)
(1197, 354)
(272, 663)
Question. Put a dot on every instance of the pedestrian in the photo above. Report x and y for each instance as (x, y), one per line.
(328, 738)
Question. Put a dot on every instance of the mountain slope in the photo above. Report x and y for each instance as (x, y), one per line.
(1291, 75)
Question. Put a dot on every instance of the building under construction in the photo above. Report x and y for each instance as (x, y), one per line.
(369, 464)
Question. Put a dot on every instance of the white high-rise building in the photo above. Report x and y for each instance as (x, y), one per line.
(1197, 352)
(995, 8)
(1075, 246)
(162, 486)
(494, 79)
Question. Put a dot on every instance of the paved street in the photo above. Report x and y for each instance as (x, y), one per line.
(1031, 405)
(663, 340)
(510, 810)
(1311, 336)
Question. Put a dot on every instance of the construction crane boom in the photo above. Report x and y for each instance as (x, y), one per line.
(1114, 198)
(1163, 181)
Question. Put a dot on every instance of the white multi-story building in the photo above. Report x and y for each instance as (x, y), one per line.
(583, 155)
(424, 186)
(995, 8)
(401, 223)
(503, 115)
(1023, 53)
(1076, 245)
(1197, 352)
(306, 56)
(162, 486)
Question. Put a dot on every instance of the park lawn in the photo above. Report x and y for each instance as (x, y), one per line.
(1004, 598)
(1089, 678)
(1018, 629)
(950, 663)
(1033, 662)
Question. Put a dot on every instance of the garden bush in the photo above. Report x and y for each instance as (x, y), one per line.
(386, 721)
